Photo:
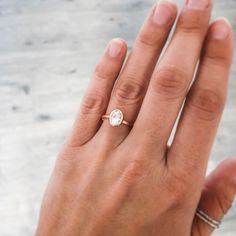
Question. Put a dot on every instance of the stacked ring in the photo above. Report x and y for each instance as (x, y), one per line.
(207, 219)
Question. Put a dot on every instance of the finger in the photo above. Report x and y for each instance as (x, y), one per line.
(98, 94)
(217, 196)
(204, 104)
(170, 81)
(134, 79)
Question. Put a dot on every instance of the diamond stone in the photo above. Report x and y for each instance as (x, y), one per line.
(116, 117)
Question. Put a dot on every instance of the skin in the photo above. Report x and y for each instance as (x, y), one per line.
(127, 181)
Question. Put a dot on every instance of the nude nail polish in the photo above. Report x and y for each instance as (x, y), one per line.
(163, 12)
(198, 4)
(115, 47)
(220, 30)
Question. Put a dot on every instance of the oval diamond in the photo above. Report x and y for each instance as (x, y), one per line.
(116, 117)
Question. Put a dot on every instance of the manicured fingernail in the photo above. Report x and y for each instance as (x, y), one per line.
(163, 12)
(115, 47)
(198, 4)
(220, 30)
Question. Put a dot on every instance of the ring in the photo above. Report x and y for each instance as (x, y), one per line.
(116, 118)
(207, 219)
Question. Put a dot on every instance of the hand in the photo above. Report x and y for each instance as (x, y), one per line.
(217, 195)
(125, 181)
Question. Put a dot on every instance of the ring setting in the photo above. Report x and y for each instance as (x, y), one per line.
(116, 118)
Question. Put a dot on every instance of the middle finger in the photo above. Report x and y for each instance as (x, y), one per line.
(171, 80)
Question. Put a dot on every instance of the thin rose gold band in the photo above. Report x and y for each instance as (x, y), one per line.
(124, 122)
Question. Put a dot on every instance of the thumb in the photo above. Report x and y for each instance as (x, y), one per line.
(217, 196)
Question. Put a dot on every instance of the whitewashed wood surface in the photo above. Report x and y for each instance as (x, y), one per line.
(47, 52)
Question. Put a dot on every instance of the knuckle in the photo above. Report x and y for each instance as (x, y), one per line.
(129, 91)
(191, 28)
(206, 104)
(92, 104)
(177, 185)
(215, 58)
(171, 83)
(135, 171)
(148, 38)
(103, 73)
(178, 196)
(189, 23)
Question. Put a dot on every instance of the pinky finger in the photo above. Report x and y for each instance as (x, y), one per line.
(95, 101)
(217, 196)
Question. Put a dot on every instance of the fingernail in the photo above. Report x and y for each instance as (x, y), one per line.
(198, 4)
(163, 12)
(114, 47)
(220, 30)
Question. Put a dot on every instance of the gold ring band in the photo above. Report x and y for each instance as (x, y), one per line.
(207, 219)
(116, 118)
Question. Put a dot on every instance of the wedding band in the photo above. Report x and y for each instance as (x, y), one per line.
(207, 219)
(116, 118)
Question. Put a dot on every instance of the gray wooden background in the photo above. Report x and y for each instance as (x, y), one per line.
(47, 52)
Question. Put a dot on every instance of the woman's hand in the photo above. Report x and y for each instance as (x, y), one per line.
(125, 181)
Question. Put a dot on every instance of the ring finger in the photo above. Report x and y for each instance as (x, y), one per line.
(131, 86)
